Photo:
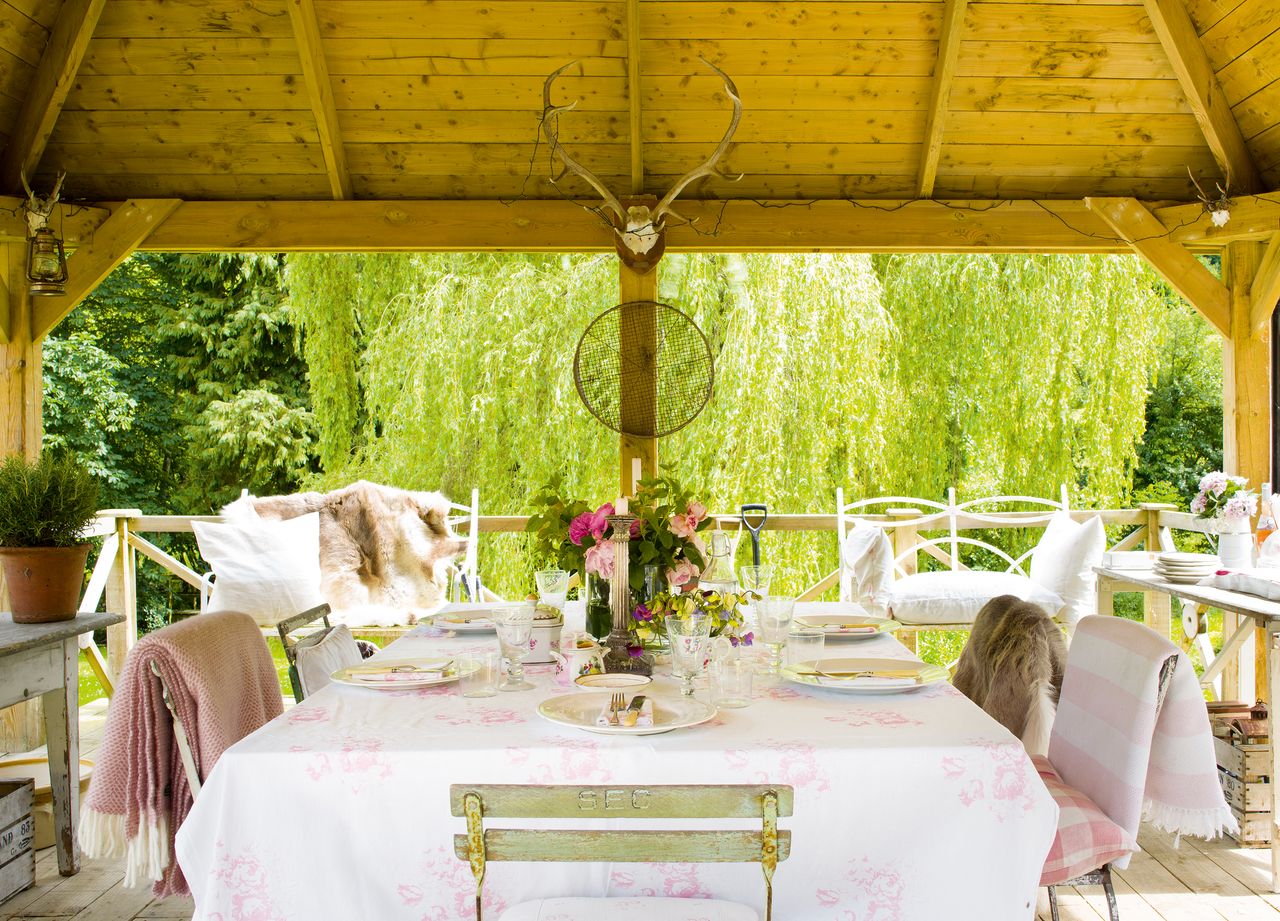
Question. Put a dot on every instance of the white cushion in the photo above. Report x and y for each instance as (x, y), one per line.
(957, 597)
(630, 909)
(270, 570)
(866, 563)
(315, 663)
(1063, 563)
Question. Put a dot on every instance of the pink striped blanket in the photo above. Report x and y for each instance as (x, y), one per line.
(1135, 756)
(224, 686)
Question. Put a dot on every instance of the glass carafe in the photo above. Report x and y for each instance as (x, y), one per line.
(718, 575)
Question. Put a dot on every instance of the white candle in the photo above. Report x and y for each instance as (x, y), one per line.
(620, 507)
(636, 473)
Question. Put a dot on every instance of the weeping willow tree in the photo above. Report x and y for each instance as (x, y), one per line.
(903, 374)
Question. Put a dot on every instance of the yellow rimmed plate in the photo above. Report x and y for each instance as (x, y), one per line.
(865, 676)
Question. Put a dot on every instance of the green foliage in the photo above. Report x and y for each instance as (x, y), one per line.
(47, 502)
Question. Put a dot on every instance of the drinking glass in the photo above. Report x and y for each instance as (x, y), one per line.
(652, 583)
(690, 641)
(515, 626)
(773, 617)
(731, 682)
(478, 673)
(805, 644)
(755, 579)
(553, 587)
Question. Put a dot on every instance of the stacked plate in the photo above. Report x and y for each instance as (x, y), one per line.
(1185, 568)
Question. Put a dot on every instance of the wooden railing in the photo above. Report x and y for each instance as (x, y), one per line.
(914, 534)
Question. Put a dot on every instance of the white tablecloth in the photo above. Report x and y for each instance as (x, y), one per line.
(914, 806)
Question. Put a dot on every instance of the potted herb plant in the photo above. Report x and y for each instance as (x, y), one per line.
(45, 506)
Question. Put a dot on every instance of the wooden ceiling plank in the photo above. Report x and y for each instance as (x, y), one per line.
(1264, 292)
(1172, 23)
(306, 31)
(944, 71)
(1129, 218)
(48, 91)
(635, 112)
(110, 245)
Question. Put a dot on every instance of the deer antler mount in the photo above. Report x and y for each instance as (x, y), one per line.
(639, 224)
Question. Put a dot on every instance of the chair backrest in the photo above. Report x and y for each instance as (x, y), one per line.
(180, 736)
(286, 628)
(1115, 681)
(952, 517)
(716, 801)
(468, 569)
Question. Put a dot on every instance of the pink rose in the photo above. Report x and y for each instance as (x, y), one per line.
(697, 510)
(684, 526)
(682, 574)
(593, 523)
(599, 560)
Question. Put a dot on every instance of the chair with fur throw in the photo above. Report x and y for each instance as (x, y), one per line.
(1012, 668)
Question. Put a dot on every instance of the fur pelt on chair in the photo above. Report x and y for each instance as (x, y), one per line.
(383, 550)
(1012, 668)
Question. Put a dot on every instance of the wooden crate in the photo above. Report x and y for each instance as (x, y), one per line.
(1255, 828)
(1250, 763)
(17, 834)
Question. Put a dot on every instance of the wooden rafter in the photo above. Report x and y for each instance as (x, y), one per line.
(561, 226)
(943, 72)
(1199, 82)
(112, 243)
(74, 222)
(1264, 291)
(1129, 218)
(634, 111)
(1253, 217)
(315, 71)
(48, 91)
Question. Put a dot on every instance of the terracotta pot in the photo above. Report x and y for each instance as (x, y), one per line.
(44, 582)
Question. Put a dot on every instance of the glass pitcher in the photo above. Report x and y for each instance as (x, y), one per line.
(718, 575)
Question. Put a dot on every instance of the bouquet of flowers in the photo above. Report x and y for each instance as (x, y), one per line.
(1225, 499)
(722, 607)
(575, 537)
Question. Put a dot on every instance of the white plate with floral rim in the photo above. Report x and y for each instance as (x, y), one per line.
(579, 711)
(398, 674)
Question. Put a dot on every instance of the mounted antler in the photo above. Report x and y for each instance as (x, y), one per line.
(39, 208)
(638, 227)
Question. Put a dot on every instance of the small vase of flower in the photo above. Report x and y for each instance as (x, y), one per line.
(1226, 502)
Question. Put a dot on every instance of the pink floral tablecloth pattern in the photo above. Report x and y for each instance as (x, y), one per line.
(914, 806)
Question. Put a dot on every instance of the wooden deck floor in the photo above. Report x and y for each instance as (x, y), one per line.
(1197, 881)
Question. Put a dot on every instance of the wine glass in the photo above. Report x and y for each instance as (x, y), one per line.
(773, 616)
(553, 587)
(514, 624)
(690, 639)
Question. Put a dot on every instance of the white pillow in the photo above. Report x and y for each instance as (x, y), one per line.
(1063, 562)
(866, 564)
(957, 597)
(317, 662)
(270, 570)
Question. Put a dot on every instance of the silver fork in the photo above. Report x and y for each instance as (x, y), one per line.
(616, 703)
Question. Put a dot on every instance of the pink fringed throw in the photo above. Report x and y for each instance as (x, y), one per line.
(224, 686)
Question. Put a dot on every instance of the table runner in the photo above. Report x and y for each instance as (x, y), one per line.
(915, 806)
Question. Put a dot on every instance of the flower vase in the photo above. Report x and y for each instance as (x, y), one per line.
(599, 611)
(1235, 544)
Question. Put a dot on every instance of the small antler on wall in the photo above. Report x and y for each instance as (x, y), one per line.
(638, 228)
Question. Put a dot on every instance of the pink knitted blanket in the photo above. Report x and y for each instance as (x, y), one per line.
(224, 686)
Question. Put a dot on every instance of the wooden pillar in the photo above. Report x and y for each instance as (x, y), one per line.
(1246, 397)
(122, 593)
(22, 726)
(639, 394)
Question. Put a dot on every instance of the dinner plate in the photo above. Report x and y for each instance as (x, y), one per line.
(615, 681)
(849, 627)
(579, 711)
(802, 673)
(475, 625)
(416, 674)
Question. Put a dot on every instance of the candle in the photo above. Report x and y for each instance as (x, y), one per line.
(620, 507)
(636, 473)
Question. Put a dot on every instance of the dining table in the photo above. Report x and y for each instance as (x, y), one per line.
(913, 805)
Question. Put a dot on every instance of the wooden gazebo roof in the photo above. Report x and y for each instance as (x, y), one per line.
(400, 99)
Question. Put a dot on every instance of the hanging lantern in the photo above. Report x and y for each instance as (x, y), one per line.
(46, 264)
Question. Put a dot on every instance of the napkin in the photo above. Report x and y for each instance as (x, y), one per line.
(643, 720)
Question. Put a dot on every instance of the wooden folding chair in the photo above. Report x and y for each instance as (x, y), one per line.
(291, 646)
(714, 801)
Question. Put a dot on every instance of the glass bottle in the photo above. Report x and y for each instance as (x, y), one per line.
(718, 575)
(1266, 516)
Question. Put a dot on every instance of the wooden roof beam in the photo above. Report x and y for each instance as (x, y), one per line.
(73, 221)
(1252, 217)
(634, 112)
(315, 71)
(1143, 231)
(1264, 291)
(45, 95)
(943, 72)
(111, 244)
(1177, 34)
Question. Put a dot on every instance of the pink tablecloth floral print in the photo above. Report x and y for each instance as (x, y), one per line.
(914, 806)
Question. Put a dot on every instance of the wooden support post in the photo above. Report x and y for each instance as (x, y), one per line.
(1246, 398)
(639, 394)
(1155, 605)
(21, 727)
(122, 592)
